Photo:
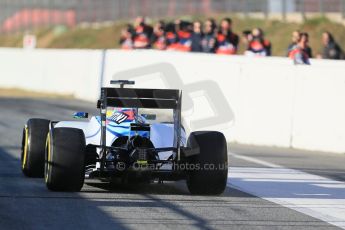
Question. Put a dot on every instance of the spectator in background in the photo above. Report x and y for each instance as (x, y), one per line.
(258, 45)
(184, 35)
(126, 38)
(142, 34)
(295, 38)
(208, 41)
(177, 24)
(196, 37)
(305, 38)
(299, 54)
(158, 39)
(331, 49)
(247, 37)
(227, 41)
(171, 37)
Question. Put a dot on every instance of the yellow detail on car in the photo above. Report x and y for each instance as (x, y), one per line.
(26, 142)
(109, 113)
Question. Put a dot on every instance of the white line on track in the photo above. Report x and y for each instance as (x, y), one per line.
(312, 195)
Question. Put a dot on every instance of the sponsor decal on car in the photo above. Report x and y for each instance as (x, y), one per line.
(118, 117)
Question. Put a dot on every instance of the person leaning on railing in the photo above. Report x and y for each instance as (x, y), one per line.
(209, 41)
(227, 41)
(258, 45)
(158, 38)
(126, 38)
(142, 34)
(299, 54)
(331, 49)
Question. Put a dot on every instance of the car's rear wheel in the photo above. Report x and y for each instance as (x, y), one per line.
(33, 147)
(208, 170)
(65, 159)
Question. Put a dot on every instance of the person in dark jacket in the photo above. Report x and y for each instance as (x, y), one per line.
(171, 38)
(196, 37)
(307, 49)
(209, 41)
(331, 49)
(158, 40)
(184, 34)
(227, 41)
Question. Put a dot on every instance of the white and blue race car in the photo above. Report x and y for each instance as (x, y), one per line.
(125, 143)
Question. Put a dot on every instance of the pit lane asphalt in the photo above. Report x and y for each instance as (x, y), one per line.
(25, 203)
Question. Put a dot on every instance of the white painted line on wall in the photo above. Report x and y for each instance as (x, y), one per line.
(312, 195)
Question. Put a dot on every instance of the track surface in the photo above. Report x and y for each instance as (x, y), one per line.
(27, 204)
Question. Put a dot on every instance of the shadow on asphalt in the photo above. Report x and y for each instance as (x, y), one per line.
(84, 210)
(170, 188)
(167, 188)
(38, 205)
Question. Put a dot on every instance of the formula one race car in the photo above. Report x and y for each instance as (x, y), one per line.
(126, 144)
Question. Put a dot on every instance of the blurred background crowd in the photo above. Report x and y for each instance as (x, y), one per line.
(210, 36)
(258, 27)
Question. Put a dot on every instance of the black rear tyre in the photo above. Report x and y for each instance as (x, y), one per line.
(65, 159)
(33, 147)
(208, 172)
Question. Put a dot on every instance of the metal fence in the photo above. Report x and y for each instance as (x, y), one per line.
(21, 15)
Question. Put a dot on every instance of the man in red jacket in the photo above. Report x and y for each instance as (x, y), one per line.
(184, 34)
(142, 34)
(258, 45)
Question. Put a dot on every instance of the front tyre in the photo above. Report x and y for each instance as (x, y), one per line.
(209, 168)
(33, 147)
(65, 159)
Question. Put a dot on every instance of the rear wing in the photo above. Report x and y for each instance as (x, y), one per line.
(140, 98)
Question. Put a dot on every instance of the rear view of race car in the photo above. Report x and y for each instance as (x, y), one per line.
(126, 143)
